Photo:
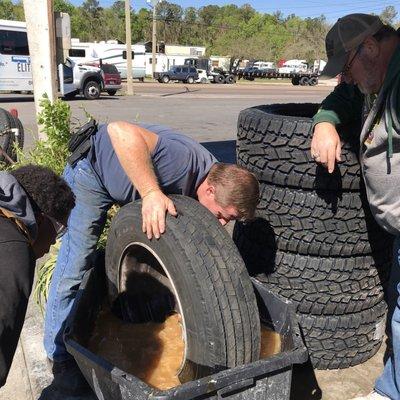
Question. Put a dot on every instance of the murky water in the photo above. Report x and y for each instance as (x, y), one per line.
(151, 351)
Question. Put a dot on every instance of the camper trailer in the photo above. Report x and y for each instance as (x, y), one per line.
(110, 52)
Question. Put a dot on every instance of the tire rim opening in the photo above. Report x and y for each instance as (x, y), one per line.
(146, 290)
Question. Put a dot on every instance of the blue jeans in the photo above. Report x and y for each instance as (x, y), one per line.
(85, 226)
(388, 384)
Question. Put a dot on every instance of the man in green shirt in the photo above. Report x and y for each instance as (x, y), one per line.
(367, 54)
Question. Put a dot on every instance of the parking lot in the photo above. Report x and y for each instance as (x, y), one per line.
(205, 112)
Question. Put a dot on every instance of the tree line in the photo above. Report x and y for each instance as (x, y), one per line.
(223, 30)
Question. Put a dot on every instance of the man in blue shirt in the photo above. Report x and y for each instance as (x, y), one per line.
(127, 162)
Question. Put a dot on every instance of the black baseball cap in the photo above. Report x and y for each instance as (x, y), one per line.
(348, 33)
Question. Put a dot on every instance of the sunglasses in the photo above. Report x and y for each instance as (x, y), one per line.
(58, 227)
(347, 66)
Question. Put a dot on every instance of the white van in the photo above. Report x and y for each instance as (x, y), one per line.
(15, 63)
(111, 52)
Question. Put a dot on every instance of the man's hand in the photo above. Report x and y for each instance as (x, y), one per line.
(325, 145)
(155, 205)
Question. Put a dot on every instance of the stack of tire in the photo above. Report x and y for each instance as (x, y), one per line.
(11, 134)
(314, 242)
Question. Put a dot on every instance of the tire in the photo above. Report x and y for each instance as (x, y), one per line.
(165, 79)
(313, 81)
(190, 80)
(295, 81)
(203, 80)
(7, 137)
(198, 261)
(320, 223)
(21, 133)
(141, 79)
(315, 285)
(274, 142)
(91, 90)
(304, 81)
(219, 79)
(230, 79)
(343, 341)
(111, 92)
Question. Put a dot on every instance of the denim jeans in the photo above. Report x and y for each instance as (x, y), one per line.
(388, 384)
(85, 226)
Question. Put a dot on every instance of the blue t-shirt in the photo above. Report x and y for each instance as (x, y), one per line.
(180, 164)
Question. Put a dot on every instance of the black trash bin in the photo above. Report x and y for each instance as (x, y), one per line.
(268, 378)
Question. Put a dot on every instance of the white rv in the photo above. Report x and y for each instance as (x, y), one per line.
(110, 52)
(15, 63)
(293, 66)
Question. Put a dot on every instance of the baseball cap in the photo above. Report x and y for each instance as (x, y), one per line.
(347, 33)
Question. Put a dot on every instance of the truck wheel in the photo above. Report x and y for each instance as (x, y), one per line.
(203, 80)
(230, 79)
(7, 136)
(295, 81)
(111, 92)
(190, 80)
(91, 90)
(165, 79)
(313, 81)
(304, 81)
(219, 79)
(197, 269)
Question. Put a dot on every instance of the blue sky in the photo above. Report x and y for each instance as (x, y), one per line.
(304, 8)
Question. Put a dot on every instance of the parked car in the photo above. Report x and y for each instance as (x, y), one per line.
(183, 73)
(111, 77)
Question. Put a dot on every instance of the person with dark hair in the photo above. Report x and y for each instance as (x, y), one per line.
(367, 54)
(124, 162)
(35, 205)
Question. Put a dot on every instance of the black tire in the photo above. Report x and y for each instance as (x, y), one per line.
(315, 285)
(313, 81)
(165, 79)
(21, 133)
(344, 341)
(141, 79)
(219, 79)
(7, 137)
(111, 92)
(91, 90)
(203, 80)
(230, 79)
(190, 80)
(212, 289)
(274, 142)
(304, 81)
(327, 224)
(295, 81)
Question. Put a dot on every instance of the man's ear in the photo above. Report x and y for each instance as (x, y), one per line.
(371, 46)
(210, 190)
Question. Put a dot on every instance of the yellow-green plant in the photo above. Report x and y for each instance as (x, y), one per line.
(54, 121)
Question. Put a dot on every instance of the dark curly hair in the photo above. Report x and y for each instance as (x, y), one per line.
(48, 192)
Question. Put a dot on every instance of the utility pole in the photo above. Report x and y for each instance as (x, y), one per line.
(42, 47)
(154, 36)
(129, 89)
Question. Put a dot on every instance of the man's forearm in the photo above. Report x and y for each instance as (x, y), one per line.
(133, 146)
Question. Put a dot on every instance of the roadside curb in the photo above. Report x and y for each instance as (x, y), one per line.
(37, 365)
